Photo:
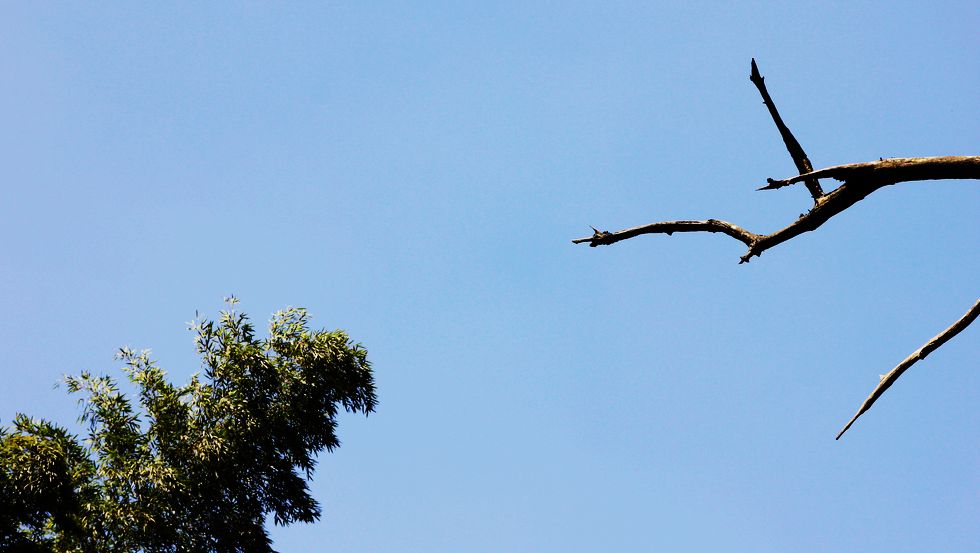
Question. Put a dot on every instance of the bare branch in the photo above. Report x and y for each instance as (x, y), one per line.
(604, 238)
(792, 145)
(894, 170)
(860, 180)
(921, 353)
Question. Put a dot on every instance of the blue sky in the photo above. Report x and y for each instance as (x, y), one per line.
(414, 172)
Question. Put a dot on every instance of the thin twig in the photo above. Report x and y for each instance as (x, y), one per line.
(921, 353)
(792, 145)
(604, 238)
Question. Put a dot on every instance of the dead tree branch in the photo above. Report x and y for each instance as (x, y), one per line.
(602, 238)
(891, 171)
(792, 145)
(858, 180)
(932, 345)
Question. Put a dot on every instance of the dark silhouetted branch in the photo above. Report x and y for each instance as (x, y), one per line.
(792, 145)
(860, 180)
(891, 171)
(603, 238)
(932, 345)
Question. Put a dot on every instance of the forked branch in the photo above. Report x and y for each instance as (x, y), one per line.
(858, 181)
(891, 171)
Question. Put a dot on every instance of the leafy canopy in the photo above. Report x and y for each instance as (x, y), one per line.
(198, 467)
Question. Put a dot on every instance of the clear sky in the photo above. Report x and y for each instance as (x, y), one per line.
(414, 172)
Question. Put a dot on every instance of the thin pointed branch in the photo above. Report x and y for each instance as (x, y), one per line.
(919, 354)
(792, 145)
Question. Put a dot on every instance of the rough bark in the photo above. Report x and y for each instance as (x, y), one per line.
(792, 145)
(858, 180)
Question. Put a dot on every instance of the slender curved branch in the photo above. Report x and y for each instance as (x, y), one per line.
(932, 345)
(792, 145)
(604, 238)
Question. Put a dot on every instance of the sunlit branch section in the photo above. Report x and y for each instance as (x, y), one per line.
(792, 145)
(932, 345)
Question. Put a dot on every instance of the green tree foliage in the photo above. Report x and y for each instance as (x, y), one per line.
(193, 468)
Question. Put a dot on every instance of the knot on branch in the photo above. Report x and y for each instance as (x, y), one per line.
(598, 237)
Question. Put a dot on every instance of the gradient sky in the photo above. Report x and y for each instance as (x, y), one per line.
(413, 172)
